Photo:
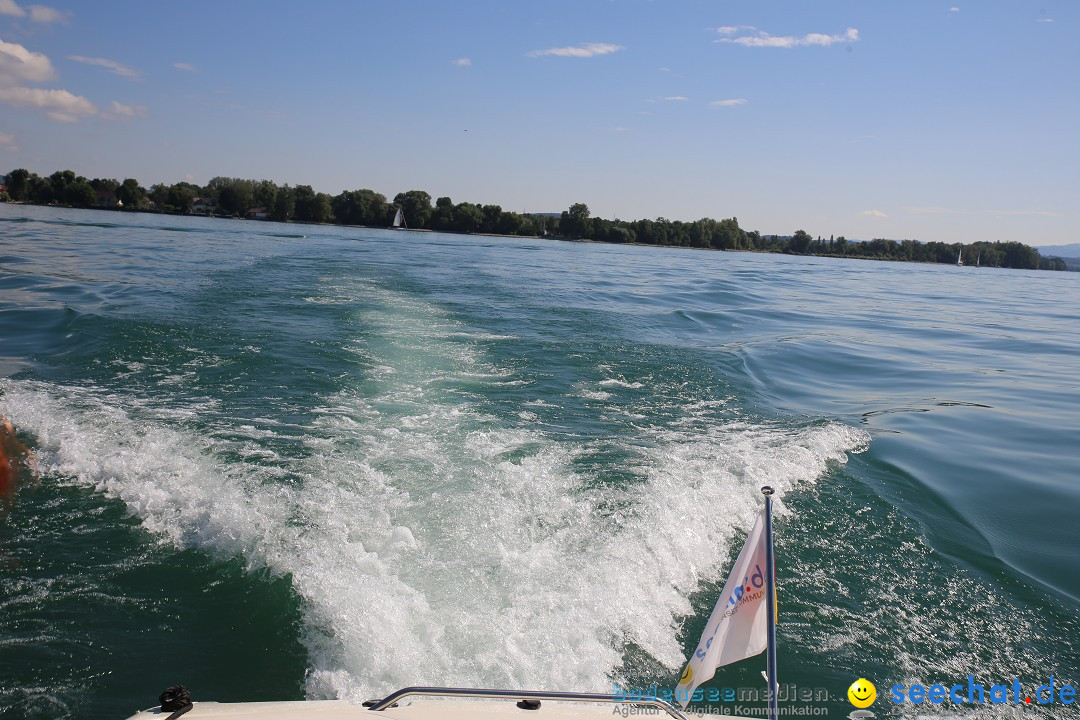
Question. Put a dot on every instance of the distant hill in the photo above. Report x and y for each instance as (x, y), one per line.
(1061, 251)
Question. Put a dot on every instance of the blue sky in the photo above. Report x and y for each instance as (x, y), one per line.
(951, 121)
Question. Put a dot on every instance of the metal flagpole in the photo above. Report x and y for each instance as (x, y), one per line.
(770, 591)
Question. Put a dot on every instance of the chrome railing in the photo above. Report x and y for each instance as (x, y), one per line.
(526, 695)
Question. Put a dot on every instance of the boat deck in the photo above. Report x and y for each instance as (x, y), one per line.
(423, 709)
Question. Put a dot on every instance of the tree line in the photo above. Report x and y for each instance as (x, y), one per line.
(239, 197)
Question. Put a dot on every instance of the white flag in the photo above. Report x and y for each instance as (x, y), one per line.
(738, 626)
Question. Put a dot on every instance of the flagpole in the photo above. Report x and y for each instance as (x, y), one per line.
(770, 595)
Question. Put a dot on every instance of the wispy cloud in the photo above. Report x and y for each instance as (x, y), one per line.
(38, 13)
(45, 14)
(874, 214)
(7, 141)
(585, 50)
(463, 62)
(127, 111)
(186, 67)
(17, 64)
(730, 102)
(764, 39)
(732, 29)
(116, 68)
(59, 105)
(674, 98)
(1045, 20)
(954, 9)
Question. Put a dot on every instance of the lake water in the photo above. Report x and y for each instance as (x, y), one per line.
(288, 461)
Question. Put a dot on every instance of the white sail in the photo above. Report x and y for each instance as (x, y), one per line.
(399, 219)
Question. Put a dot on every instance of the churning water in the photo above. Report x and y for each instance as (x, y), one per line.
(287, 461)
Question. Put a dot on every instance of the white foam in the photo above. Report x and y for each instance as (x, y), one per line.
(423, 554)
(615, 382)
(431, 543)
(595, 395)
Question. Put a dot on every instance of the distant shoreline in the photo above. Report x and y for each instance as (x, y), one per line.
(236, 198)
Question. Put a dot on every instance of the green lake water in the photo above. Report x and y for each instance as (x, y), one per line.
(289, 461)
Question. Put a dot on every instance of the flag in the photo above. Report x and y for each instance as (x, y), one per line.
(738, 626)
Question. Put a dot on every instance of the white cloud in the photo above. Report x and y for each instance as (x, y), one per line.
(764, 39)
(19, 64)
(731, 102)
(7, 141)
(38, 13)
(187, 67)
(116, 68)
(127, 111)
(582, 51)
(954, 9)
(675, 98)
(10, 7)
(59, 105)
(874, 214)
(1045, 20)
(732, 29)
(45, 14)
(463, 62)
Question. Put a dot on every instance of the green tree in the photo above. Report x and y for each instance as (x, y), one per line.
(284, 204)
(324, 211)
(468, 217)
(235, 196)
(415, 206)
(360, 207)
(81, 194)
(304, 203)
(575, 221)
(40, 190)
(264, 194)
(131, 194)
(18, 184)
(800, 242)
(492, 215)
(59, 182)
(443, 216)
(182, 196)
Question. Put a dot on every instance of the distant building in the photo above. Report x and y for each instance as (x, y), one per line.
(106, 199)
(258, 213)
(203, 206)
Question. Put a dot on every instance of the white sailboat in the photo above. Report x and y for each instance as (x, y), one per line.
(399, 221)
(960, 258)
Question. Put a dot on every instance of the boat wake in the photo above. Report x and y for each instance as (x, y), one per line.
(431, 539)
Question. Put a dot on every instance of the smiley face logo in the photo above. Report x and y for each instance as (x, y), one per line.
(862, 693)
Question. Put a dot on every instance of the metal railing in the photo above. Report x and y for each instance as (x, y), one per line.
(525, 695)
